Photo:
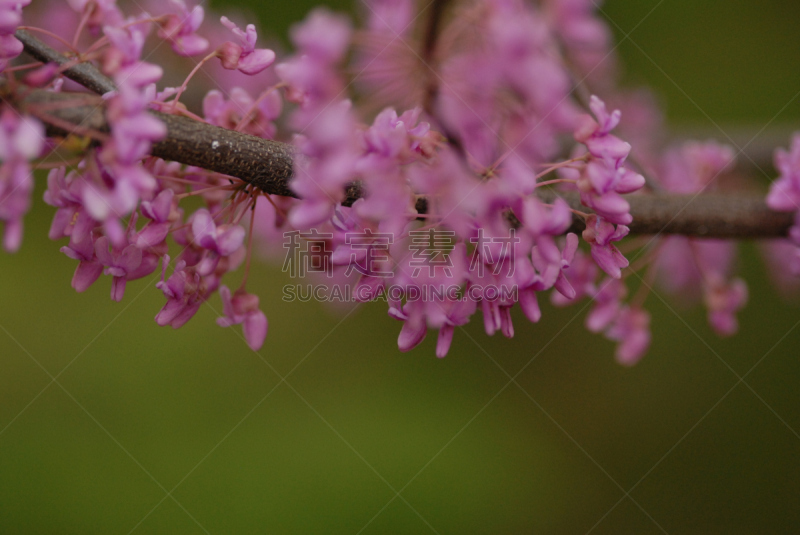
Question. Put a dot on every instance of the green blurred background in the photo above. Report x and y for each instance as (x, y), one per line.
(150, 430)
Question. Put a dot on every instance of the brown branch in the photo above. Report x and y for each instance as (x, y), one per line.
(84, 73)
(265, 164)
(268, 165)
(706, 215)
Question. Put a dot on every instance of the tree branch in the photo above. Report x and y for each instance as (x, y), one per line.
(84, 73)
(268, 165)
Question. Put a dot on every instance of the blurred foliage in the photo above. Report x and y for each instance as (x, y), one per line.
(150, 430)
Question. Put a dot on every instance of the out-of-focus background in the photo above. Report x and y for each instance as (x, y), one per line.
(110, 424)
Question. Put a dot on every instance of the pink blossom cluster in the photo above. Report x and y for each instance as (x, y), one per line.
(458, 143)
(397, 159)
(784, 195)
(694, 267)
(118, 207)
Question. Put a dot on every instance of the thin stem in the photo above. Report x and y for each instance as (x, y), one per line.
(24, 67)
(185, 83)
(245, 205)
(204, 190)
(68, 126)
(560, 165)
(84, 19)
(278, 210)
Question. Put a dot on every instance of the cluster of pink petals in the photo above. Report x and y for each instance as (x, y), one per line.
(505, 106)
(185, 291)
(632, 330)
(628, 325)
(723, 299)
(693, 268)
(242, 308)
(586, 37)
(506, 91)
(105, 247)
(112, 187)
(325, 122)
(21, 140)
(398, 157)
(605, 179)
(257, 116)
(695, 166)
(244, 56)
(390, 144)
(601, 235)
(312, 73)
(784, 196)
(98, 13)
(119, 206)
(180, 29)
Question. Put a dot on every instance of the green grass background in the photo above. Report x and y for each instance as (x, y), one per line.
(149, 430)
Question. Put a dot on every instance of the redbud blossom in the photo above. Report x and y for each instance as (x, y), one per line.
(179, 29)
(243, 308)
(245, 56)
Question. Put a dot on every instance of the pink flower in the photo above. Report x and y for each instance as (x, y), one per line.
(587, 39)
(604, 178)
(64, 192)
(323, 35)
(694, 166)
(600, 234)
(243, 308)
(179, 29)
(723, 301)
(245, 56)
(581, 275)
(229, 113)
(223, 240)
(608, 304)
(11, 15)
(160, 211)
(123, 61)
(632, 331)
(120, 264)
(456, 313)
(414, 327)
(185, 291)
(596, 134)
(784, 194)
(89, 268)
(101, 12)
(21, 139)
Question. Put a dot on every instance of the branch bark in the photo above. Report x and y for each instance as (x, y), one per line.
(84, 73)
(268, 165)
